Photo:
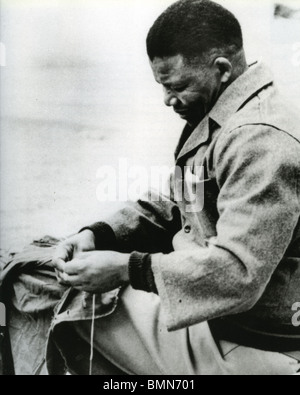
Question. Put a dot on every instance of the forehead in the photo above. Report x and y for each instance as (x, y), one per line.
(169, 68)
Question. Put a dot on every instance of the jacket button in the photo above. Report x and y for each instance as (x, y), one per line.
(188, 229)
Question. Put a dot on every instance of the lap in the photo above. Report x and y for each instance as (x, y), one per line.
(135, 340)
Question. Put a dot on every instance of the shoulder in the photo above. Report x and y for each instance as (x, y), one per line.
(260, 152)
(267, 110)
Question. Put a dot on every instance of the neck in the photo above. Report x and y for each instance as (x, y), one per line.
(239, 67)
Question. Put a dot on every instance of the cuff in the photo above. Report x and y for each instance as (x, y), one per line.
(140, 273)
(105, 238)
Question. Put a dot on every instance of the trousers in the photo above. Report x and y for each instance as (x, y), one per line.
(134, 341)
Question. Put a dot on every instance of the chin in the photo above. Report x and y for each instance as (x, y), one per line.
(188, 120)
(185, 117)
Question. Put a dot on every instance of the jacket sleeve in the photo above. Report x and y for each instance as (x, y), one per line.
(147, 225)
(258, 171)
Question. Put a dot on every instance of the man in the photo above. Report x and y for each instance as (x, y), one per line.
(206, 291)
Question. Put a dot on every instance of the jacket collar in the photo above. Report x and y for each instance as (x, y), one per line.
(231, 101)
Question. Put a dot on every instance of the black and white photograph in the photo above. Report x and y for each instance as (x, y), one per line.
(150, 190)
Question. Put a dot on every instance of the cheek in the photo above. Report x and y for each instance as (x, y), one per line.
(191, 97)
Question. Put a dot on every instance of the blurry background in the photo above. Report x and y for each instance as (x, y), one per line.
(77, 93)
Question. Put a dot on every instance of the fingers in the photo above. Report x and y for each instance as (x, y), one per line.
(61, 256)
(59, 264)
(72, 273)
(60, 279)
(65, 279)
(75, 267)
(72, 281)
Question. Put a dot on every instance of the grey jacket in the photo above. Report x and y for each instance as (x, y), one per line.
(236, 263)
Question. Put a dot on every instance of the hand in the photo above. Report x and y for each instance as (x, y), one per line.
(96, 272)
(70, 248)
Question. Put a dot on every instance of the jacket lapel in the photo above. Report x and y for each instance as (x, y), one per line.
(199, 137)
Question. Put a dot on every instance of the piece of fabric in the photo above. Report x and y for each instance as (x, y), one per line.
(29, 289)
(237, 257)
(135, 340)
(31, 293)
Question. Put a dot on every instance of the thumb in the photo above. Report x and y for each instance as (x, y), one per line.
(75, 267)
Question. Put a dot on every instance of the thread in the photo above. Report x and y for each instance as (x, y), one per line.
(92, 336)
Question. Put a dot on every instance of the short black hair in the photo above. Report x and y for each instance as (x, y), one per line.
(193, 28)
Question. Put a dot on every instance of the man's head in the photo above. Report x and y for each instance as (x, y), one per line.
(196, 51)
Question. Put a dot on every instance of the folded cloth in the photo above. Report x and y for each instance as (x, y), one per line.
(30, 292)
(32, 295)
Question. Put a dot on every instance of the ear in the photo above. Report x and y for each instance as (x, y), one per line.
(225, 68)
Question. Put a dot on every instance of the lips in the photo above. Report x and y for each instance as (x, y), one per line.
(183, 114)
(181, 111)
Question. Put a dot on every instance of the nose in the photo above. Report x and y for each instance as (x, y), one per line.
(169, 98)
